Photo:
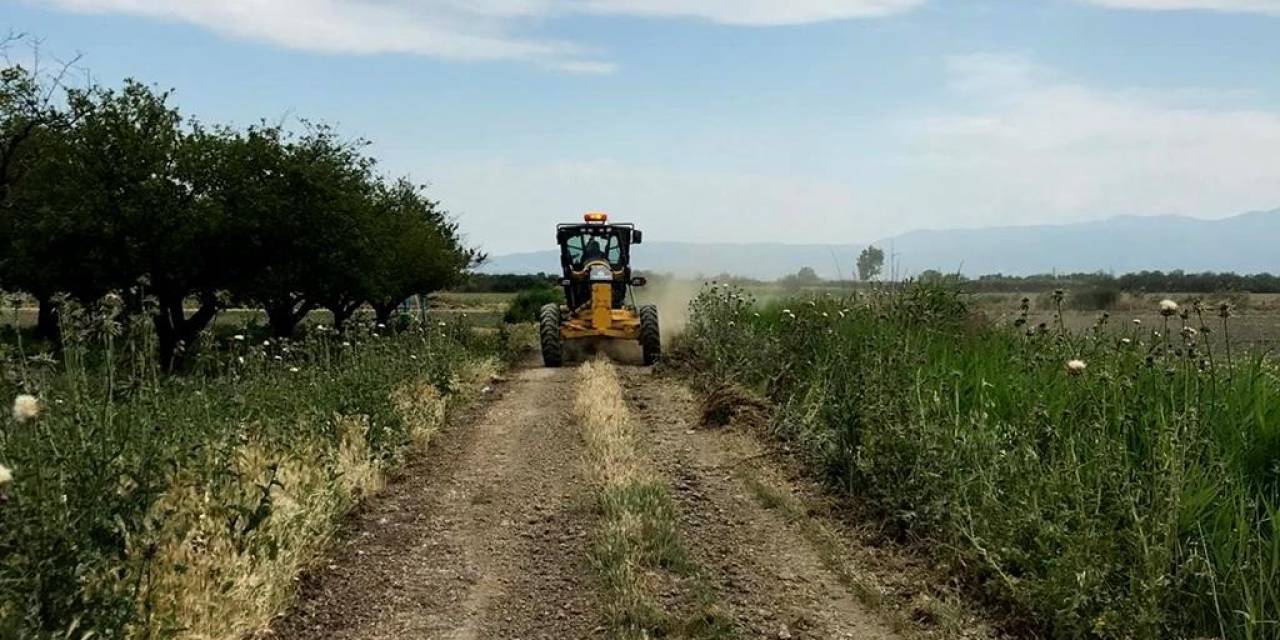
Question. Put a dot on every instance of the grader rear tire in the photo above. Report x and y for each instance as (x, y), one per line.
(650, 336)
(549, 335)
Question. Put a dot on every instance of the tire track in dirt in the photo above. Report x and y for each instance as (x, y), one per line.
(773, 583)
(482, 537)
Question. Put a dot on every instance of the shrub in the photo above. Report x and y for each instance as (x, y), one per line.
(1095, 297)
(524, 307)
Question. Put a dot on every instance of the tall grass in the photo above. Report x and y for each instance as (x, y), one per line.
(153, 506)
(1134, 493)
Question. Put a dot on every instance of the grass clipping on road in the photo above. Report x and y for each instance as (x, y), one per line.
(637, 549)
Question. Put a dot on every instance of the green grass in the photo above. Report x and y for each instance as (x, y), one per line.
(1138, 498)
(149, 506)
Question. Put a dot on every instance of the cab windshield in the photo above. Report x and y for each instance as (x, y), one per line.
(585, 247)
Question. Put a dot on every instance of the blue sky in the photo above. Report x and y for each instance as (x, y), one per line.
(737, 120)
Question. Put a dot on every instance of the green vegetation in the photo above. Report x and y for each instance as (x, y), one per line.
(144, 505)
(524, 307)
(161, 479)
(1106, 483)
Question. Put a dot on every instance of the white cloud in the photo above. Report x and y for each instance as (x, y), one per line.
(751, 12)
(1240, 6)
(1034, 147)
(1024, 144)
(460, 29)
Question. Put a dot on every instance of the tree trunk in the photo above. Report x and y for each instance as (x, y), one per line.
(285, 315)
(382, 311)
(342, 312)
(173, 327)
(48, 326)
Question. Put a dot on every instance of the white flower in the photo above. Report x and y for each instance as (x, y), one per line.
(413, 357)
(1168, 307)
(266, 343)
(345, 343)
(277, 358)
(1075, 367)
(1137, 321)
(6, 476)
(25, 407)
(293, 369)
(1125, 341)
(239, 337)
(382, 326)
(240, 359)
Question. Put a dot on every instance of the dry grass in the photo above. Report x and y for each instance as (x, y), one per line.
(207, 580)
(637, 550)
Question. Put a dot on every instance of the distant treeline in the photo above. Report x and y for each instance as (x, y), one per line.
(1142, 281)
(505, 282)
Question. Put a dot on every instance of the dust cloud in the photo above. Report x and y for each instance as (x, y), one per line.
(672, 297)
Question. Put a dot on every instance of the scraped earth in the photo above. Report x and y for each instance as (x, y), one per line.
(487, 535)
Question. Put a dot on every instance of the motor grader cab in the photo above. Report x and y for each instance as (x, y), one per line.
(595, 258)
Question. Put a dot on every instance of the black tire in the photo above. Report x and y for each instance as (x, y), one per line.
(549, 335)
(650, 336)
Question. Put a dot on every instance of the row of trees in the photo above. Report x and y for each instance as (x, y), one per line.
(114, 191)
(1137, 282)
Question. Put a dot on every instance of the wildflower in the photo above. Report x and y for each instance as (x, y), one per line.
(266, 343)
(1125, 341)
(382, 326)
(25, 407)
(413, 357)
(6, 476)
(239, 337)
(1075, 367)
(1224, 310)
(293, 369)
(1137, 321)
(277, 358)
(1168, 307)
(240, 359)
(345, 343)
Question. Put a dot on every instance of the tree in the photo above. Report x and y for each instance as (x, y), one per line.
(301, 207)
(135, 210)
(419, 249)
(30, 126)
(870, 262)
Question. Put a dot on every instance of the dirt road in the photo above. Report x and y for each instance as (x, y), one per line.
(489, 535)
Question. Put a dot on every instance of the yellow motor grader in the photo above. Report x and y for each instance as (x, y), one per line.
(595, 256)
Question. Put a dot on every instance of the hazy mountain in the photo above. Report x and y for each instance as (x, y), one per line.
(1246, 243)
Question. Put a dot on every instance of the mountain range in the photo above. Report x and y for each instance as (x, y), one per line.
(1246, 243)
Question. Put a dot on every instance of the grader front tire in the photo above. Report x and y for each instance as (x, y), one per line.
(650, 336)
(549, 335)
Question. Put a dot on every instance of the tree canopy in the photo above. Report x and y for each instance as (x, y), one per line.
(113, 190)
